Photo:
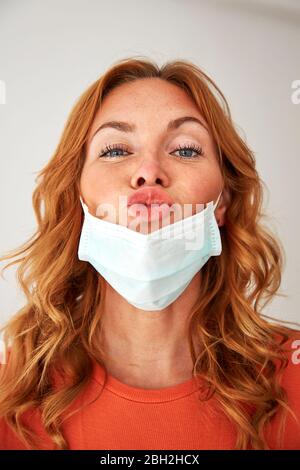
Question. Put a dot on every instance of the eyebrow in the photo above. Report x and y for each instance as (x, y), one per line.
(127, 127)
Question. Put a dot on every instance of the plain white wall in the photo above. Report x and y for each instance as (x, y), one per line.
(51, 51)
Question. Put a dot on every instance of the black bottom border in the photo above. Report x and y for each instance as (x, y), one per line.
(138, 458)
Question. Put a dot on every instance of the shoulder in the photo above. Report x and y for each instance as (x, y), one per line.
(8, 439)
(295, 350)
(31, 418)
(292, 353)
(291, 374)
(290, 382)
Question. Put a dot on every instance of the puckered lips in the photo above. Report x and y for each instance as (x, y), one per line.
(148, 196)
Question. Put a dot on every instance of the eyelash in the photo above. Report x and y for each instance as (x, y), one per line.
(110, 148)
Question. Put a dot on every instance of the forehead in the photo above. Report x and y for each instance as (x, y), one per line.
(144, 100)
(150, 90)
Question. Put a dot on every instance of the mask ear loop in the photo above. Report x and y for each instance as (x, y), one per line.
(84, 206)
(217, 201)
(214, 205)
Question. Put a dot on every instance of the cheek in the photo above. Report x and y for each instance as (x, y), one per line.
(97, 184)
(202, 186)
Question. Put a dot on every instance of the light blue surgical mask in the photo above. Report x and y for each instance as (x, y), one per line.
(150, 270)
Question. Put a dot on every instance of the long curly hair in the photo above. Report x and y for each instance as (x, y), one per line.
(57, 331)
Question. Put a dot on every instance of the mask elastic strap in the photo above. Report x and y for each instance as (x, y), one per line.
(84, 206)
(217, 201)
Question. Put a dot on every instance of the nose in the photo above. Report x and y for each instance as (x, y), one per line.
(149, 173)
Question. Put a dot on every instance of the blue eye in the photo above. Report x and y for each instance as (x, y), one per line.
(119, 147)
(112, 148)
(190, 148)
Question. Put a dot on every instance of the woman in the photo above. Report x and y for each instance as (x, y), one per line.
(130, 343)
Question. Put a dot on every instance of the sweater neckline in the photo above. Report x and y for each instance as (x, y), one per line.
(138, 394)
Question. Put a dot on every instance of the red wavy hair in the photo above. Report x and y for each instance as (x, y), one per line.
(61, 321)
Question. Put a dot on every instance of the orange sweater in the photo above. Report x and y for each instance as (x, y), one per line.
(126, 417)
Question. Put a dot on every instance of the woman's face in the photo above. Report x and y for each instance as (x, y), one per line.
(148, 155)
